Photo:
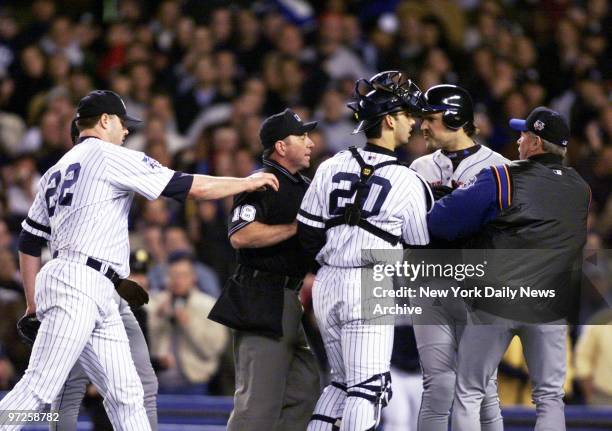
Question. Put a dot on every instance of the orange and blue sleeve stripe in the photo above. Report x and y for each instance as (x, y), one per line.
(503, 184)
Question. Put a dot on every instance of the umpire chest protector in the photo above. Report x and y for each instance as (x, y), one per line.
(352, 214)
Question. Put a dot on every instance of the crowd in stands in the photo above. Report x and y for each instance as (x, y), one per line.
(203, 75)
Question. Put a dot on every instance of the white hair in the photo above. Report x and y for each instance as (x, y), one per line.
(549, 147)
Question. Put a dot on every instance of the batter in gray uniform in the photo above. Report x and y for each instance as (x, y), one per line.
(448, 128)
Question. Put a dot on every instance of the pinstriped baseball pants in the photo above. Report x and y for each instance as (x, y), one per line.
(357, 348)
(79, 322)
(68, 403)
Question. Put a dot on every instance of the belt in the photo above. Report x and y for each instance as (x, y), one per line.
(97, 265)
(285, 281)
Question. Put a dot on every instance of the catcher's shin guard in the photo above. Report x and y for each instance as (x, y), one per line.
(327, 415)
(377, 392)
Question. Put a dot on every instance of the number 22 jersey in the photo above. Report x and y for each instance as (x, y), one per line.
(83, 201)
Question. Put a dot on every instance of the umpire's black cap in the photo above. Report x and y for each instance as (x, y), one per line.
(100, 102)
(545, 123)
(278, 126)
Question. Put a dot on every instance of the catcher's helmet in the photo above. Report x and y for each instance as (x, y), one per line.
(454, 102)
(384, 93)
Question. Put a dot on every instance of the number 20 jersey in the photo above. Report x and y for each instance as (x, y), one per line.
(395, 201)
(83, 201)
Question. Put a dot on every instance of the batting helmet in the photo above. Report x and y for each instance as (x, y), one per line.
(384, 93)
(454, 102)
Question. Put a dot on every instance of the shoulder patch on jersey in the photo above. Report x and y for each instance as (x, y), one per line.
(153, 164)
(247, 213)
(468, 183)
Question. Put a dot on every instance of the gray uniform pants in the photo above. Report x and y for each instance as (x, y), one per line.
(438, 332)
(277, 381)
(482, 348)
(69, 400)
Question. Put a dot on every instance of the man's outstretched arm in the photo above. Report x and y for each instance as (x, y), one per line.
(209, 187)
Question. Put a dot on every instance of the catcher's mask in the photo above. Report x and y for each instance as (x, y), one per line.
(384, 93)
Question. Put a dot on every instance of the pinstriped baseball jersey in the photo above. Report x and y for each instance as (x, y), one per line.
(83, 201)
(395, 202)
(437, 167)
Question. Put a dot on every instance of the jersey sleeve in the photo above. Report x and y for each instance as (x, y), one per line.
(247, 208)
(414, 230)
(134, 171)
(313, 204)
(37, 222)
(463, 212)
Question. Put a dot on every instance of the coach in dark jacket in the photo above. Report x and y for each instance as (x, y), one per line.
(277, 381)
(529, 220)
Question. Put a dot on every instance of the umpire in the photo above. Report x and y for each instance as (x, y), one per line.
(277, 380)
(540, 207)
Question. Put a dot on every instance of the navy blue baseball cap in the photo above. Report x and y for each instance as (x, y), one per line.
(278, 126)
(545, 123)
(100, 102)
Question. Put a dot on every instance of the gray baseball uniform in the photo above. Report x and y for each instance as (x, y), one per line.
(486, 347)
(539, 207)
(442, 325)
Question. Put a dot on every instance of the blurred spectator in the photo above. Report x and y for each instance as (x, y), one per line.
(29, 81)
(201, 95)
(335, 123)
(60, 40)
(187, 344)
(210, 237)
(7, 372)
(337, 60)
(203, 75)
(6, 239)
(23, 185)
(177, 245)
(9, 273)
(48, 140)
(594, 360)
(156, 132)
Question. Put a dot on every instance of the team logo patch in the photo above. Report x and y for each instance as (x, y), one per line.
(467, 183)
(153, 164)
(557, 171)
(539, 125)
(247, 213)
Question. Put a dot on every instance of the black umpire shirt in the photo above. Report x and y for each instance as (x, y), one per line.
(286, 258)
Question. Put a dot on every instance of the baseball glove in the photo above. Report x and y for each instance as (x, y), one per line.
(27, 327)
(132, 292)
